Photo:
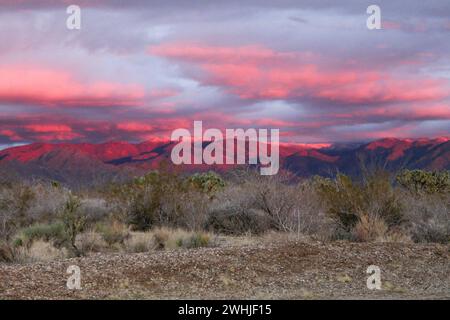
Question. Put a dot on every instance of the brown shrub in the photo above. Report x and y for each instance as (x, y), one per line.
(165, 238)
(139, 242)
(259, 204)
(91, 241)
(369, 228)
(370, 205)
(6, 253)
(113, 233)
(428, 217)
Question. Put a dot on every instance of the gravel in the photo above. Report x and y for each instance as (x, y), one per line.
(284, 269)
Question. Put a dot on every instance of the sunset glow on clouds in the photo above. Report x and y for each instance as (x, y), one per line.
(259, 73)
(139, 70)
(38, 85)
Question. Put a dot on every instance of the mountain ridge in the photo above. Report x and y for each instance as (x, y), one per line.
(118, 159)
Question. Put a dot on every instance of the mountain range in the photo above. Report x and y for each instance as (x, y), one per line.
(86, 163)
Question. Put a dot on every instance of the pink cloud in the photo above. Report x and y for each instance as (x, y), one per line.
(12, 135)
(256, 72)
(134, 127)
(40, 128)
(52, 132)
(163, 93)
(47, 86)
(58, 136)
(406, 113)
(252, 54)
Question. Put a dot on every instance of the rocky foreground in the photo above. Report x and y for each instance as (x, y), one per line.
(283, 269)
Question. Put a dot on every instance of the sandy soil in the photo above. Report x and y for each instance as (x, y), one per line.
(279, 269)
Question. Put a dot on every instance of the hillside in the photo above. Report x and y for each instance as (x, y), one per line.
(88, 163)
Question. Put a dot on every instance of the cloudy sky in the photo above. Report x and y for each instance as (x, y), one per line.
(139, 69)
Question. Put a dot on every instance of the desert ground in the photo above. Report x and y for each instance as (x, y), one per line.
(275, 267)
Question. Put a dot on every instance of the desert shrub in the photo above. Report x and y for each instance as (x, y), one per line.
(276, 199)
(164, 198)
(208, 183)
(95, 209)
(256, 204)
(348, 202)
(139, 242)
(309, 216)
(427, 204)
(160, 238)
(237, 221)
(7, 225)
(48, 201)
(369, 228)
(62, 231)
(290, 207)
(46, 232)
(428, 217)
(24, 204)
(24, 197)
(151, 200)
(113, 233)
(15, 201)
(166, 238)
(74, 222)
(91, 241)
(195, 201)
(431, 231)
(233, 212)
(420, 181)
(6, 252)
(39, 251)
(197, 240)
(194, 207)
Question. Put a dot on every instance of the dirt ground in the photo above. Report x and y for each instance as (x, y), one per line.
(277, 269)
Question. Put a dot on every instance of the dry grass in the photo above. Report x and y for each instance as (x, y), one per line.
(139, 242)
(114, 233)
(374, 229)
(165, 238)
(369, 228)
(91, 241)
(39, 251)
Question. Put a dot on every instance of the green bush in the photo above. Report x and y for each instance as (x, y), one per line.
(46, 232)
(208, 183)
(73, 222)
(347, 200)
(165, 198)
(420, 181)
(195, 240)
(63, 232)
(152, 200)
(198, 240)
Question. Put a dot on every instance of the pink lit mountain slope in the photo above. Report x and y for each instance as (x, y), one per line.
(96, 163)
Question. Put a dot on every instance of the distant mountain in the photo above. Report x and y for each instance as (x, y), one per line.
(79, 164)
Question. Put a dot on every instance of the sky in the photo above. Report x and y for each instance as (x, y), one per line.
(137, 70)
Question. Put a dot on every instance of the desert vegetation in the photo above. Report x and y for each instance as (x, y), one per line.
(165, 210)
